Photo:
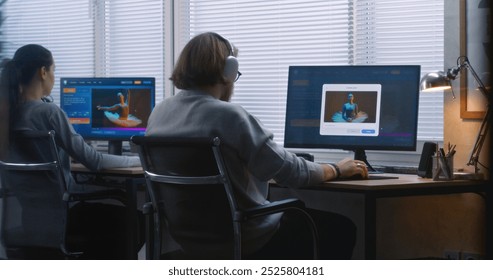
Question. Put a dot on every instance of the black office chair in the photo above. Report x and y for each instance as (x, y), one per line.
(35, 200)
(192, 199)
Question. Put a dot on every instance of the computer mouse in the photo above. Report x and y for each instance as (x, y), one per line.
(357, 176)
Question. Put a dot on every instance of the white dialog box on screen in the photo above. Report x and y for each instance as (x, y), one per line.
(350, 109)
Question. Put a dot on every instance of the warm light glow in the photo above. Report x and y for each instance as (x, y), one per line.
(436, 89)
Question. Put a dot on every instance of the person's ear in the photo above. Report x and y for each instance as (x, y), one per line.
(43, 72)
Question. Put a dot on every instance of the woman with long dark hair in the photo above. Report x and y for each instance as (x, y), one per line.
(26, 83)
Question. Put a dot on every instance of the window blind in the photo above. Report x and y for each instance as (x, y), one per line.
(405, 32)
(92, 38)
(66, 29)
(121, 38)
(132, 40)
(271, 35)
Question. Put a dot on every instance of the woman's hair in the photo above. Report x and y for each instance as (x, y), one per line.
(16, 72)
(202, 61)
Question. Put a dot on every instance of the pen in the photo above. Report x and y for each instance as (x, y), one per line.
(451, 153)
(451, 149)
(444, 163)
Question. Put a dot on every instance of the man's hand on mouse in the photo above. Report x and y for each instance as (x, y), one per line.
(350, 167)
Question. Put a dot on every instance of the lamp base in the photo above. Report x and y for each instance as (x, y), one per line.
(468, 176)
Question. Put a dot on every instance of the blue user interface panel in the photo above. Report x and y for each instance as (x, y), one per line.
(108, 108)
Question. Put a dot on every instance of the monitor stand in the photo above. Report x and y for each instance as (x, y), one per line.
(360, 154)
(115, 147)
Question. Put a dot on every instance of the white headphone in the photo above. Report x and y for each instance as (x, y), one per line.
(231, 65)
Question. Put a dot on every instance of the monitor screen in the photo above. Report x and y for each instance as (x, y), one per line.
(108, 108)
(354, 108)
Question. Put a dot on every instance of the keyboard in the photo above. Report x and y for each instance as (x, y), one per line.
(376, 176)
(371, 176)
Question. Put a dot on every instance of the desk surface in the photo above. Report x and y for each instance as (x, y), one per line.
(402, 180)
(403, 184)
(77, 167)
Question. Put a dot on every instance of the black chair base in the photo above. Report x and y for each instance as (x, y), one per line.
(35, 254)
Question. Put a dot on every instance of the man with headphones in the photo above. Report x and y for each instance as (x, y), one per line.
(205, 73)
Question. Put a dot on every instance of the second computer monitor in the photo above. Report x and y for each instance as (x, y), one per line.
(354, 108)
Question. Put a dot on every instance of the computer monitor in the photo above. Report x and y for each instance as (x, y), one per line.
(353, 108)
(111, 109)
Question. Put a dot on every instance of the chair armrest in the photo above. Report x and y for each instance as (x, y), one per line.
(280, 206)
(147, 208)
(270, 208)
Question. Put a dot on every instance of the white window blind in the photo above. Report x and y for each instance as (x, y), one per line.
(100, 38)
(122, 38)
(132, 41)
(66, 29)
(405, 32)
(272, 35)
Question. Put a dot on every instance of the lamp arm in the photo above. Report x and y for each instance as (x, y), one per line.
(483, 131)
(481, 87)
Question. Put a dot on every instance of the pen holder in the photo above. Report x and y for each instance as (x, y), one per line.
(443, 168)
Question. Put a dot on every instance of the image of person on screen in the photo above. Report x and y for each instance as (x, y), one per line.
(119, 113)
(350, 112)
(26, 80)
(349, 109)
(202, 108)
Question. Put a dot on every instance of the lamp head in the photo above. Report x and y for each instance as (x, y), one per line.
(440, 80)
(435, 81)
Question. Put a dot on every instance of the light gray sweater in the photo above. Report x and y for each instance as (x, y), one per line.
(38, 115)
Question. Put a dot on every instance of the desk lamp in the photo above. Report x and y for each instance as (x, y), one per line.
(441, 80)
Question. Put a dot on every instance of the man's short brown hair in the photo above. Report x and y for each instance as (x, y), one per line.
(201, 63)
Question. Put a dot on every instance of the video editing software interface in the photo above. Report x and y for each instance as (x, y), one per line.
(108, 108)
(352, 107)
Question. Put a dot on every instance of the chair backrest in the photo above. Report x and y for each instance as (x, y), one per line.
(191, 194)
(32, 187)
